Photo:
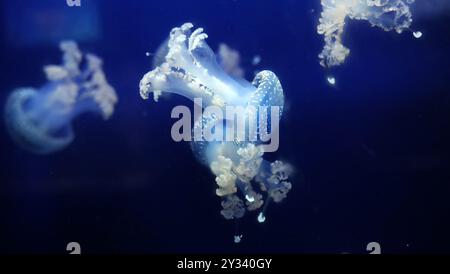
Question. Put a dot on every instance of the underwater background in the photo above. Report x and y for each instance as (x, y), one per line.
(371, 154)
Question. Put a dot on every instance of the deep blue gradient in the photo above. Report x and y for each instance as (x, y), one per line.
(372, 155)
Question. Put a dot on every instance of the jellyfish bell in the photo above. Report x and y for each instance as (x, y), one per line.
(29, 132)
(39, 120)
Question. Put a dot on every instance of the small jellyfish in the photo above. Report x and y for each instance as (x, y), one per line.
(386, 14)
(244, 180)
(39, 120)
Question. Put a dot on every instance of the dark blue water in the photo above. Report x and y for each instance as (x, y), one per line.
(372, 155)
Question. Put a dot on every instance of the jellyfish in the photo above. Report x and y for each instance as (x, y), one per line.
(386, 14)
(244, 180)
(39, 120)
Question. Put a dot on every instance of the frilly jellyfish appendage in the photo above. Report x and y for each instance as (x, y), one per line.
(242, 175)
(39, 120)
(386, 14)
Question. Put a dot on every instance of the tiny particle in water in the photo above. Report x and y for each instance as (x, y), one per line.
(261, 218)
(237, 239)
(417, 34)
(331, 80)
(256, 60)
(147, 54)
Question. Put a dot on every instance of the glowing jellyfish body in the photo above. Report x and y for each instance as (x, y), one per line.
(39, 120)
(190, 69)
(386, 14)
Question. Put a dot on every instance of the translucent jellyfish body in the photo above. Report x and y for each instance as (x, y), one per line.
(39, 120)
(242, 176)
(386, 14)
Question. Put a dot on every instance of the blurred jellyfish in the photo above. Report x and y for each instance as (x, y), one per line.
(242, 176)
(230, 60)
(386, 14)
(39, 120)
